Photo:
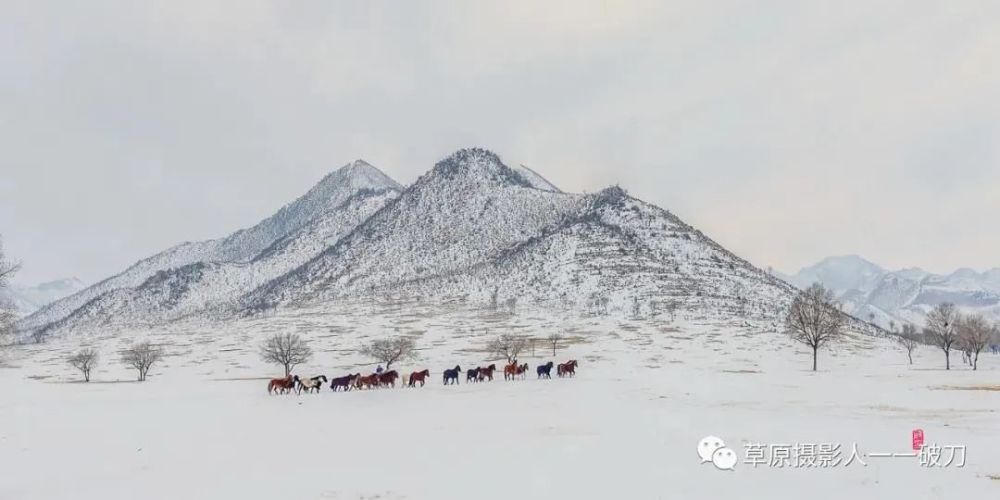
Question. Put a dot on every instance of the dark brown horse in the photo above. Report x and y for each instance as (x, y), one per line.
(420, 376)
(487, 373)
(521, 371)
(388, 378)
(366, 382)
(282, 385)
(567, 369)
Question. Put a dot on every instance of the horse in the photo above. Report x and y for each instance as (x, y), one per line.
(509, 371)
(310, 384)
(367, 382)
(521, 370)
(388, 378)
(487, 373)
(418, 377)
(544, 370)
(472, 375)
(344, 382)
(567, 369)
(452, 375)
(280, 385)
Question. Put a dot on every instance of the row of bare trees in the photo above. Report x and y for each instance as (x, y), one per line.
(949, 329)
(141, 357)
(815, 319)
(290, 350)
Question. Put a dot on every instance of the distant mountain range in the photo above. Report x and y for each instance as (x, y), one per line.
(28, 299)
(471, 229)
(870, 292)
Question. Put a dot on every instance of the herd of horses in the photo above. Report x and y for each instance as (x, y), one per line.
(512, 371)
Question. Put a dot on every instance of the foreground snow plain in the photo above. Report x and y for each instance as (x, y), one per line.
(203, 425)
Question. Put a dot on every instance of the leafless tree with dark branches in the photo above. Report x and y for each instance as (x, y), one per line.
(814, 319)
(974, 334)
(942, 329)
(909, 340)
(287, 350)
(554, 339)
(8, 318)
(508, 346)
(85, 360)
(389, 351)
(142, 356)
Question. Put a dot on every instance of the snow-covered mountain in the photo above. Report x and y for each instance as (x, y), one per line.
(28, 299)
(196, 275)
(869, 292)
(473, 230)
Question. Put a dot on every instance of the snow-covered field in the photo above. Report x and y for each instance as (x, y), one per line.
(203, 425)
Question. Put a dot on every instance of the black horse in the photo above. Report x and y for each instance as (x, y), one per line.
(472, 375)
(452, 375)
(344, 382)
(545, 370)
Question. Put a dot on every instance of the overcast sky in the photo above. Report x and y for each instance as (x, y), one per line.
(787, 133)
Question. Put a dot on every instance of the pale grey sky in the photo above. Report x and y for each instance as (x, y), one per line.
(787, 131)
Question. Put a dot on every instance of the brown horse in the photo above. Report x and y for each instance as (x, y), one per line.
(521, 371)
(282, 385)
(567, 369)
(367, 382)
(388, 378)
(420, 376)
(509, 371)
(487, 373)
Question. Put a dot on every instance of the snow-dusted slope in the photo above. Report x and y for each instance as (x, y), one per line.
(28, 299)
(474, 229)
(168, 275)
(869, 292)
(536, 180)
(468, 208)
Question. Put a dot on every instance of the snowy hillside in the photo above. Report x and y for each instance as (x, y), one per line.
(868, 291)
(28, 299)
(473, 229)
(277, 243)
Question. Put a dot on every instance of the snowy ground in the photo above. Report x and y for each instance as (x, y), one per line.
(627, 426)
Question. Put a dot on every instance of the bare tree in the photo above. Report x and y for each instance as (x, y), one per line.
(908, 339)
(672, 307)
(974, 334)
(142, 356)
(814, 318)
(942, 329)
(554, 340)
(7, 268)
(287, 350)
(389, 351)
(8, 318)
(85, 360)
(508, 346)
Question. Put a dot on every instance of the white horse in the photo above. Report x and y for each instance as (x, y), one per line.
(310, 384)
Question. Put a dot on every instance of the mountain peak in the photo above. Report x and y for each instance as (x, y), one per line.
(360, 174)
(478, 163)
